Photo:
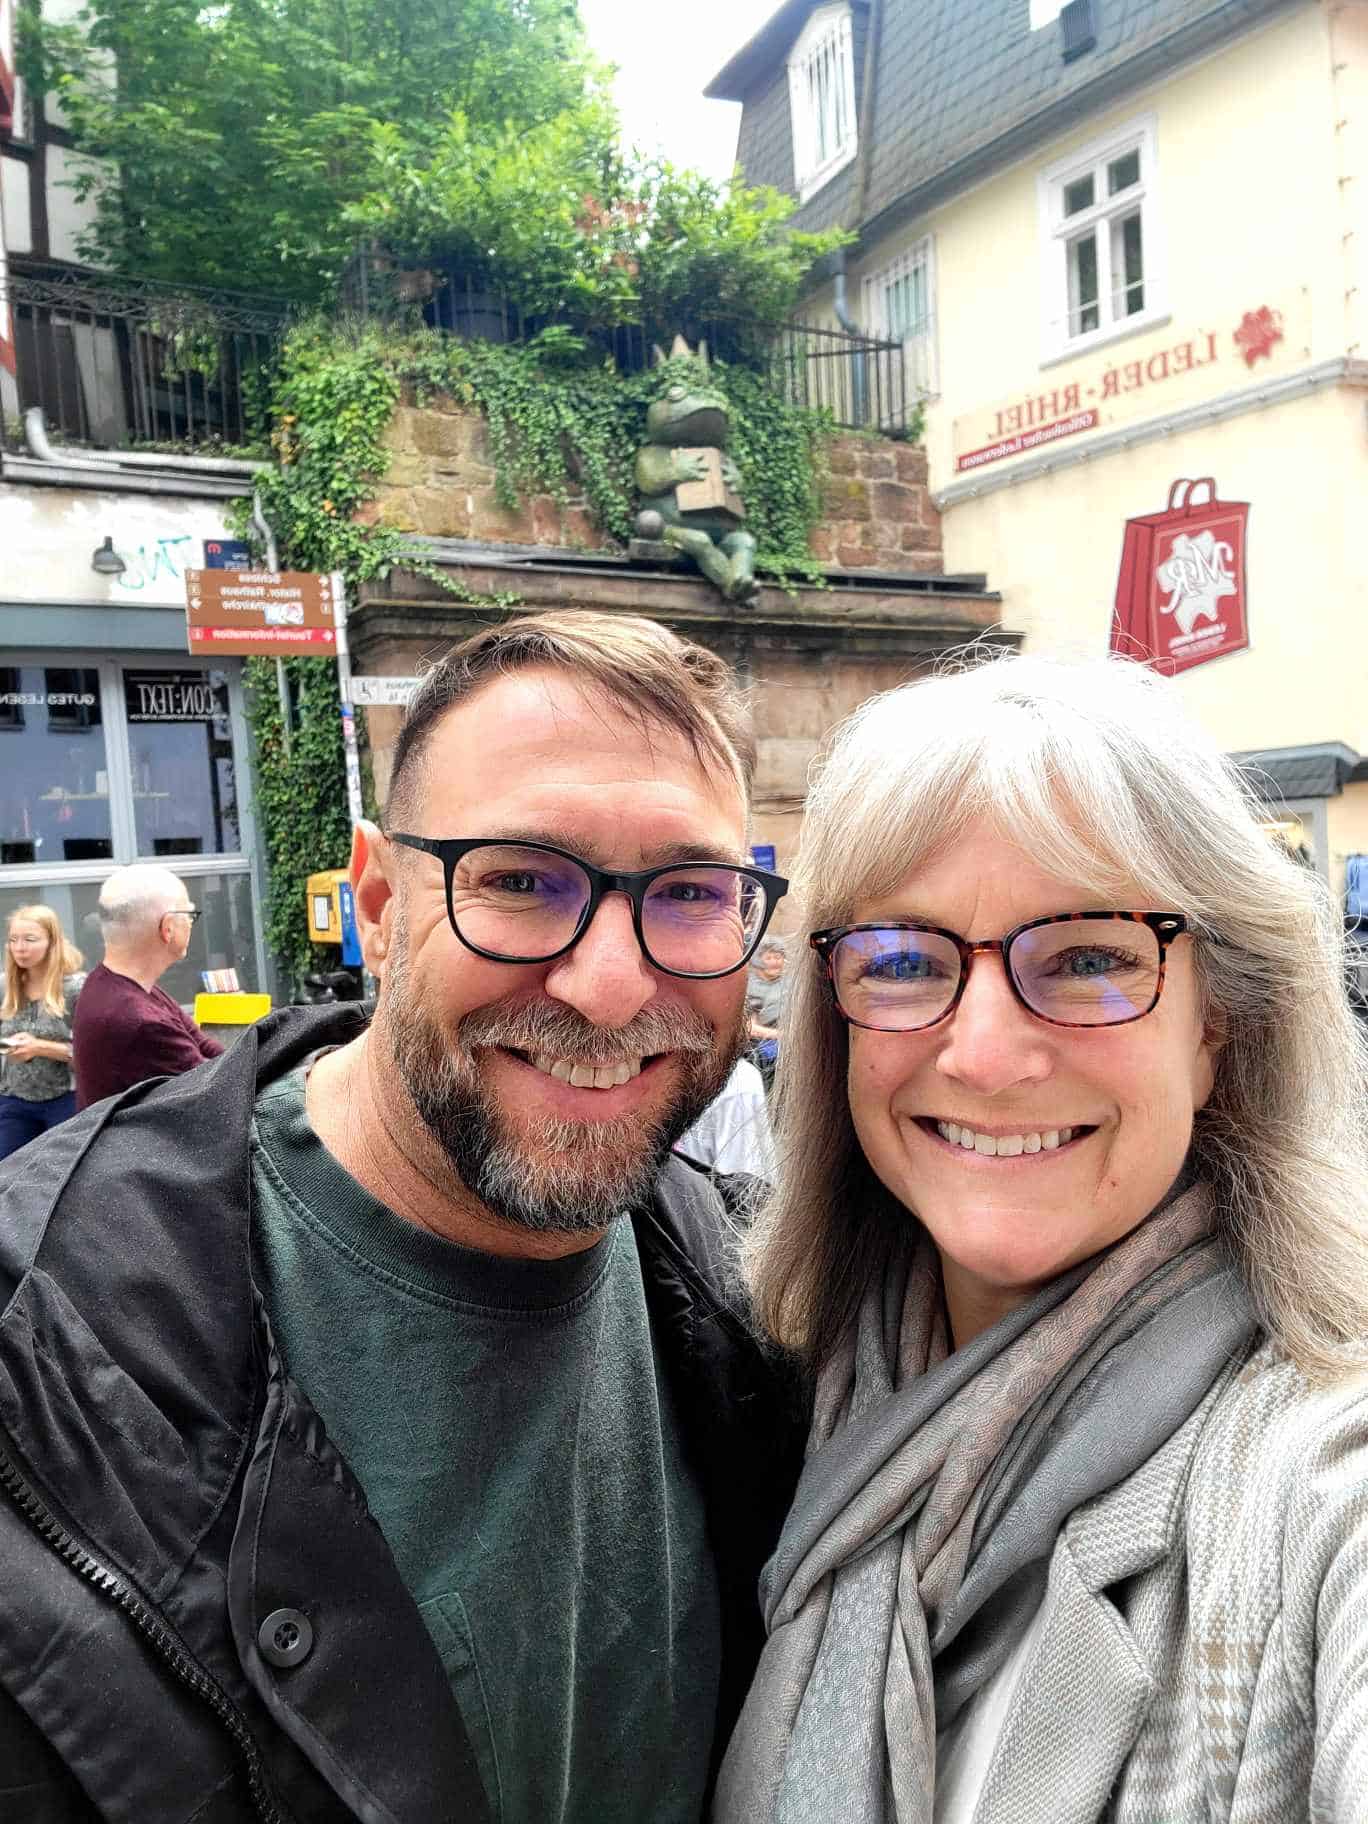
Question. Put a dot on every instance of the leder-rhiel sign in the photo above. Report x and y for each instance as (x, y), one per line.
(242, 613)
(1181, 595)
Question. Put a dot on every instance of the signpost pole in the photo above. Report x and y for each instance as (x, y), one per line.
(344, 691)
(263, 525)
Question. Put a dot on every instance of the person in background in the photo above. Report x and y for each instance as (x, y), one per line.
(765, 1004)
(1072, 1232)
(127, 1028)
(42, 984)
(732, 1136)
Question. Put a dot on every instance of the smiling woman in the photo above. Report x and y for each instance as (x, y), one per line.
(1072, 1231)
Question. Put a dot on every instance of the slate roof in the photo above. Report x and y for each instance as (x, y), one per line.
(961, 87)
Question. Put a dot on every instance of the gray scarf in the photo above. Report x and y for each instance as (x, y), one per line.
(936, 1484)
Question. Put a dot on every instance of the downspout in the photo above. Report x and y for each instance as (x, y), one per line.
(865, 129)
(108, 462)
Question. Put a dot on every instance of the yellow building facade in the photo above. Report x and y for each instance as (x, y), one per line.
(1257, 201)
(1171, 287)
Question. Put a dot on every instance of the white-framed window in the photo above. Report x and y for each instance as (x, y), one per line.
(1103, 256)
(821, 70)
(900, 306)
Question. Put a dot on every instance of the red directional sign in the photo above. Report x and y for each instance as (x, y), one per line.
(243, 613)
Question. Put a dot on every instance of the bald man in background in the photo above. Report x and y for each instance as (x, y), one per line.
(132, 1029)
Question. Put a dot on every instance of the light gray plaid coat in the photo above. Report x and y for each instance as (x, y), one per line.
(1203, 1654)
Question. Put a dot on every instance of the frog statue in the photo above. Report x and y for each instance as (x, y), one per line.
(690, 487)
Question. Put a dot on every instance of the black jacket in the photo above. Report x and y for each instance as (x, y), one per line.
(165, 1488)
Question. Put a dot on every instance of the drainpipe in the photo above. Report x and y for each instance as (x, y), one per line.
(859, 192)
(109, 462)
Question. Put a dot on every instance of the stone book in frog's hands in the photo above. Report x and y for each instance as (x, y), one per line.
(711, 495)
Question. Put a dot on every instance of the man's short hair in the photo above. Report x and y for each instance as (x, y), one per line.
(657, 678)
(135, 898)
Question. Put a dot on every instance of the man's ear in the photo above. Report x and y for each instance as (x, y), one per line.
(372, 857)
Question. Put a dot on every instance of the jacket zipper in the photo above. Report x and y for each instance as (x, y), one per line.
(164, 1643)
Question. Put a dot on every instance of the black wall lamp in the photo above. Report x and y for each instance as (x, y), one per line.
(106, 561)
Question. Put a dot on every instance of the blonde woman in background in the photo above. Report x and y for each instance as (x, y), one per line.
(1072, 1233)
(42, 982)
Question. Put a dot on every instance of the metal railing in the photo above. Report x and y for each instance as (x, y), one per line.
(116, 363)
(863, 382)
(120, 363)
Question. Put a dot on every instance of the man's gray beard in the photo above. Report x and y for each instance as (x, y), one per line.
(562, 1177)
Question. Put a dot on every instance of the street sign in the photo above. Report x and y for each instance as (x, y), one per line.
(376, 692)
(240, 613)
(227, 554)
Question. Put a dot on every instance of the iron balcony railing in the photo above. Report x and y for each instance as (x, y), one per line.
(117, 362)
(863, 382)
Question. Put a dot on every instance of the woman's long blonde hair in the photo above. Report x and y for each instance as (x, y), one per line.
(63, 958)
(1093, 770)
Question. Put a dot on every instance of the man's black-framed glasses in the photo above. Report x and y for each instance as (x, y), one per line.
(190, 912)
(1069, 968)
(529, 902)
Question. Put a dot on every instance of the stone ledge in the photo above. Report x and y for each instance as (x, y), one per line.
(872, 620)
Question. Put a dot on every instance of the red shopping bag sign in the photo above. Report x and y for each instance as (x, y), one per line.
(1181, 594)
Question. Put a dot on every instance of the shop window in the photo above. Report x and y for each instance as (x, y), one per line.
(1103, 271)
(54, 768)
(821, 70)
(224, 936)
(900, 306)
(180, 751)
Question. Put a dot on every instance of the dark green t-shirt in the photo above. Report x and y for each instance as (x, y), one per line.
(511, 1427)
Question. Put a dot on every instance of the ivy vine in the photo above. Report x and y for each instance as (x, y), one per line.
(558, 424)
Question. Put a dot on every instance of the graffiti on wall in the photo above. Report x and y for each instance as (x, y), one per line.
(156, 560)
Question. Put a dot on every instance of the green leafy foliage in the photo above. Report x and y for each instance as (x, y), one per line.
(557, 221)
(301, 800)
(238, 135)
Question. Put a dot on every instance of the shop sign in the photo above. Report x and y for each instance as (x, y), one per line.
(47, 699)
(1110, 390)
(1181, 596)
(174, 696)
(275, 612)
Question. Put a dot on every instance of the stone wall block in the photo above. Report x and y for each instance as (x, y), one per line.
(442, 512)
(845, 499)
(475, 436)
(497, 524)
(406, 471)
(581, 531)
(921, 538)
(910, 459)
(856, 557)
(877, 462)
(436, 435)
(893, 501)
(401, 431)
(822, 544)
(841, 457)
(392, 507)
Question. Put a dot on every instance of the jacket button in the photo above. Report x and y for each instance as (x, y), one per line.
(285, 1637)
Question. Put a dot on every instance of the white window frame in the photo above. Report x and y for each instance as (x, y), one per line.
(827, 38)
(921, 354)
(1057, 231)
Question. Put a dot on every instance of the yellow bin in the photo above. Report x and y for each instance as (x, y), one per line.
(231, 1009)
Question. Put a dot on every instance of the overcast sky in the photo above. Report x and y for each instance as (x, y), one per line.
(666, 51)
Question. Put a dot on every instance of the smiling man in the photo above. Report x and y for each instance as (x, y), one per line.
(515, 1576)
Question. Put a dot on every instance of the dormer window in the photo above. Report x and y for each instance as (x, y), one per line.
(821, 70)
